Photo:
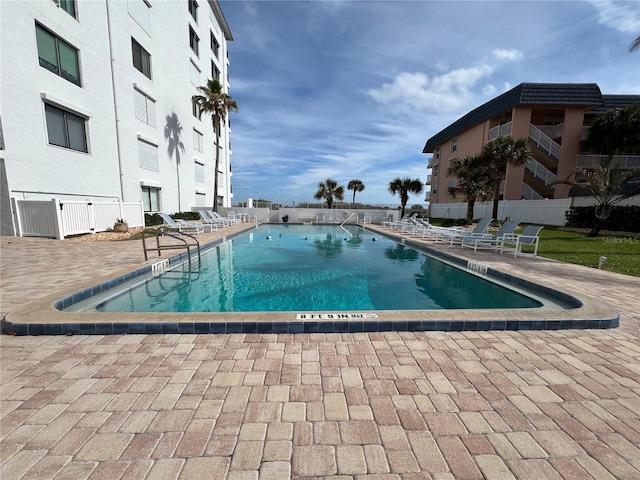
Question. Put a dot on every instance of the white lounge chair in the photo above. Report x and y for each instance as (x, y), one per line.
(457, 236)
(490, 241)
(513, 242)
(227, 220)
(183, 225)
(209, 220)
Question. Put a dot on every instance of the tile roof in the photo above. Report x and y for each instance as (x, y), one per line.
(587, 94)
(614, 101)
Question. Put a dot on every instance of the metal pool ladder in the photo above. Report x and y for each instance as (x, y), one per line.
(162, 231)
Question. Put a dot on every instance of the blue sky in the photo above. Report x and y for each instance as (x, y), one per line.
(352, 89)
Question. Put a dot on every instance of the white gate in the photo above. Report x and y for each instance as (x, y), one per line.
(56, 219)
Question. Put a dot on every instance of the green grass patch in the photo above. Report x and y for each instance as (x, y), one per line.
(623, 253)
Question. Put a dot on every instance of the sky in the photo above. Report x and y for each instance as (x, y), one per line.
(352, 89)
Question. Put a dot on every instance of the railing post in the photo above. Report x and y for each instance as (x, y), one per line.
(59, 227)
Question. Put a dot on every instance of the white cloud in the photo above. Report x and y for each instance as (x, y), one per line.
(617, 15)
(443, 93)
(512, 55)
(489, 90)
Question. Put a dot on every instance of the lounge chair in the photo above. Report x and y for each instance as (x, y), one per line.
(424, 229)
(457, 236)
(490, 241)
(226, 220)
(513, 242)
(209, 220)
(183, 225)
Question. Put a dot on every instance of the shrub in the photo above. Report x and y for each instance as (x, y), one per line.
(622, 219)
(152, 219)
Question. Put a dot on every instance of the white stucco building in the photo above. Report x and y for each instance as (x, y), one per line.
(96, 101)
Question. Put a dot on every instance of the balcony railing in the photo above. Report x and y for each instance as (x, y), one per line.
(499, 131)
(544, 142)
(529, 193)
(624, 162)
(541, 173)
(552, 131)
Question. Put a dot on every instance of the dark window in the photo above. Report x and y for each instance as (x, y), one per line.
(193, 9)
(215, 73)
(141, 58)
(57, 55)
(214, 44)
(65, 129)
(68, 6)
(193, 40)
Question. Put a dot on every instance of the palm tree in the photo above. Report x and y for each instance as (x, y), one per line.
(172, 132)
(612, 133)
(214, 100)
(356, 186)
(473, 180)
(498, 154)
(635, 45)
(403, 187)
(329, 189)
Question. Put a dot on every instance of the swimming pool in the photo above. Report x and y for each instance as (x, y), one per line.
(306, 268)
(86, 310)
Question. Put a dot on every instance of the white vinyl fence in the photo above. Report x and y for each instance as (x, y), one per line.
(544, 212)
(58, 219)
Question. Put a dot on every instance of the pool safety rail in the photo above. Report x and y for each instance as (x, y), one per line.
(174, 234)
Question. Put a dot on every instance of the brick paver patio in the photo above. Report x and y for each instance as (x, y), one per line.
(471, 405)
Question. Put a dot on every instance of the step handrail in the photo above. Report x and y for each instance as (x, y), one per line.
(169, 233)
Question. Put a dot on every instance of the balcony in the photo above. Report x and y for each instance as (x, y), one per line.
(624, 162)
(499, 131)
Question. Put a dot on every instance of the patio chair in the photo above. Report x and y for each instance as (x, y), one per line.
(183, 225)
(490, 241)
(513, 242)
(208, 219)
(226, 220)
(457, 236)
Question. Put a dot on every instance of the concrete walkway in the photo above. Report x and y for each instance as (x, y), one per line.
(425, 405)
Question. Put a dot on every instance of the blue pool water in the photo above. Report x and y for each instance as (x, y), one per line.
(310, 268)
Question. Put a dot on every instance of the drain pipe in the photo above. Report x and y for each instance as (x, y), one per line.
(115, 103)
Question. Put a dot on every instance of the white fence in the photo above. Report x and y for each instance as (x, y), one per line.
(58, 219)
(545, 212)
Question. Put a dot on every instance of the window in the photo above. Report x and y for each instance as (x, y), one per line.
(201, 199)
(195, 109)
(197, 140)
(214, 44)
(57, 55)
(454, 144)
(65, 129)
(219, 200)
(215, 73)
(195, 74)
(437, 152)
(140, 12)
(193, 9)
(145, 107)
(193, 40)
(435, 169)
(434, 188)
(148, 155)
(450, 183)
(151, 199)
(199, 172)
(141, 58)
(68, 6)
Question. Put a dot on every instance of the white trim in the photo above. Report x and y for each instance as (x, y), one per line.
(66, 105)
(144, 183)
(148, 140)
(139, 87)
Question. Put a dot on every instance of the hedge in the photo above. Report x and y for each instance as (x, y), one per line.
(622, 219)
